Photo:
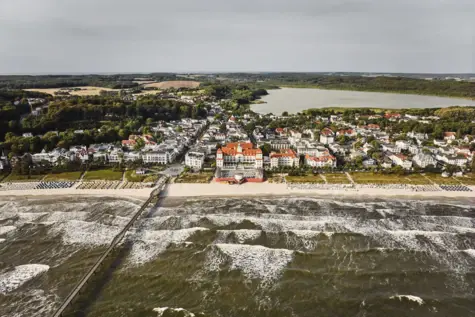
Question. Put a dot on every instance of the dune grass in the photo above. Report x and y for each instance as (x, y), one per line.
(202, 178)
(65, 176)
(374, 178)
(438, 179)
(105, 174)
(337, 178)
(309, 179)
(22, 178)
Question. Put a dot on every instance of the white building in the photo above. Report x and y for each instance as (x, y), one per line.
(424, 160)
(195, 159)
(132, 156)
(458, 160)
(401, 160)
(327, 136)
(154, 157)
(234, 154)
(320, 161)
(284, 158)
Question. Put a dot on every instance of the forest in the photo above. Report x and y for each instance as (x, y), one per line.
(435, 87)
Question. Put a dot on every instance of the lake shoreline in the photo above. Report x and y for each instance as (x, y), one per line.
(293, 100)
(372, 91)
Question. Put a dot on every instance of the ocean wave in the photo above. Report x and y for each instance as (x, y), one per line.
(6, 229)
(412, 298)
(21, 274)
(254, 261)
(147, 244)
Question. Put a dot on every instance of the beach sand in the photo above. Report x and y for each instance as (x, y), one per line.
(266, 189)
(244, 190)
(143, 193)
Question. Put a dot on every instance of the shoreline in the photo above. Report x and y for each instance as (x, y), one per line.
(142, 193)
(250, 190)
(266, 189)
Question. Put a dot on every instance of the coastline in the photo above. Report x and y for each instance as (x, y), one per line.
(246, 190)
(143, 193)
(266, 189)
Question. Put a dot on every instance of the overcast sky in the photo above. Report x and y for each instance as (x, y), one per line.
(64, 36)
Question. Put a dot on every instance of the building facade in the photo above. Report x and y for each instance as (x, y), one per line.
(284, 158)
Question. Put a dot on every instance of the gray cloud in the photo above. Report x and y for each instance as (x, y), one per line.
(51, 36)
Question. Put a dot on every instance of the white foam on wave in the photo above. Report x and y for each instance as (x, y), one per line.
(470, 252)
(11, 280)
(6, 229)
(2, 240)
(254, 261)
(148, 244)
(85, 233)
(162, 310)
(59, 216)
(242, 235)
(412, 298)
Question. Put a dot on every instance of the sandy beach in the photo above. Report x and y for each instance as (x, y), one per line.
(248, 189)
(143, 193)
(266, 189)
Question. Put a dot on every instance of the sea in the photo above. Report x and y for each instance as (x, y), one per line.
(294, 100)
(234, 257)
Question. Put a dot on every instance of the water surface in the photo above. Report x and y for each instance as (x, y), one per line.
(294, 100)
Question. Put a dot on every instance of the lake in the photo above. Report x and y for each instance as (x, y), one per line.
(294, 100)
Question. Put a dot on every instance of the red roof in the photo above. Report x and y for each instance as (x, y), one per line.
(323, 158)
(392, 115)
(401, 156)
(247, 149)
(327, 132)
(279, 130)
(284, 153)
(129, 142)
(347, 131)
(449, 134)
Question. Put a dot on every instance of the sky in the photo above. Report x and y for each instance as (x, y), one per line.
(95, 36)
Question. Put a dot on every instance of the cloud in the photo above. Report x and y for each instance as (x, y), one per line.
(214, 35)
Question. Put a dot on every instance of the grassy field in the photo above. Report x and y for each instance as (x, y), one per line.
(22, 178)
(85, 91)
(372, 178)
(66, 176)
(309, 178)
(106, 174)
(468, 179)
(337, 178)
(203, 177)
(438, 179)
(131, 176)
(174, 84)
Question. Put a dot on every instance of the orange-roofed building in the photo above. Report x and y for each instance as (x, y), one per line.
(286, 157)
(320, 161)
(234, 154)
(450, 136)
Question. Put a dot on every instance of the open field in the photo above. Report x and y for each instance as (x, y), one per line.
(174, 84)
(337, 178)
(438, 179)
(468, 179)
(372, 178)
(131, 176)
(85, 91)
(309, 178)
(107, 174)
(22, 178)
(203, 177)
(66, 176)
